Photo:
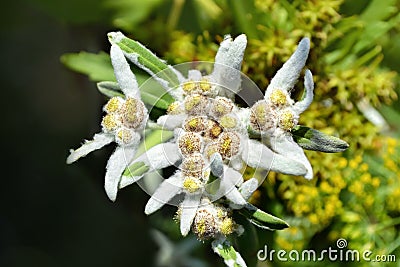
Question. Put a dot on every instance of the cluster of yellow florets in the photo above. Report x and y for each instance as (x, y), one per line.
(275, 111)
(123, 117)
(212, 220)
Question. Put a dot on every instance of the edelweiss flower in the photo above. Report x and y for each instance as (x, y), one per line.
(124, 119)
(277, 114)
(209, 131)
(215, 123)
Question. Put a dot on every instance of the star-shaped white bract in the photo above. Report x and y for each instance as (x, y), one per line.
(124, 120)
(277, 114)
(210, 137)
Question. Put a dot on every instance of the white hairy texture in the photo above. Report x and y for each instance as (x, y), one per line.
(257, 155)
(302, 105)
(170, 122)
(164, 193)
(228, 188)
(248, 188)
(287, 76)
(217, 165)
(289, 149)
(194, 75)
(244, 116)
(176, 93)
(125, 77)
(99, 140)
(189, 207)
(228, 62)
(116, 165)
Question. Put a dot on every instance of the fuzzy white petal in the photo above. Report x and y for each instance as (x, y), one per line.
(302, 105)
(157, 157)
(235, 177)
(189, 207)
(99, 140)
(228, 188)
(248, 188)
(194, 75)
(116, 165)
(164, 193)
(228, 62)
(125, 77)
(257, 155)
(171, 122)
(217, 165)
(116, 37)
(288, 148)
(287, 76)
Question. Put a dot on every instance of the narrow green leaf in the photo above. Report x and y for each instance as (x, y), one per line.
(97, 66)
(136, 169)
(312, 139)
(153, 138)
(109, 89)
(262, 219)
(226, 251)
(150, 93)
(145, 59)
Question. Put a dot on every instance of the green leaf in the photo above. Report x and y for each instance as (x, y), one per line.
(97, 66)
(151, 92)
(262, 219)
(312, 139)
(124, 18)
(231, 257)
(153, 138)
(109, 89)
(136, 169)
(145, 59)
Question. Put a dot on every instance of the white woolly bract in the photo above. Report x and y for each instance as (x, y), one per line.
(289, 149)
(164, 193)
(228, 62)
(301, 106)
(189, 207)
(116, 165)
(287, 76)
(125, 77)
(99, 140)
(257, 155)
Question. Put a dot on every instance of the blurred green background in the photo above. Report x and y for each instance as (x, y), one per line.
(57, 215)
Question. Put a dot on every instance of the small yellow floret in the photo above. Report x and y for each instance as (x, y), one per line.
(189, 86)
(174, 109)
(124, 135)
(130, 109)
(205, 85)
(113, 105)
(227, 226)
(109, 122)
(191, 185)
(286, 121)
(192, 102)
(228, 121)
(278, 97)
